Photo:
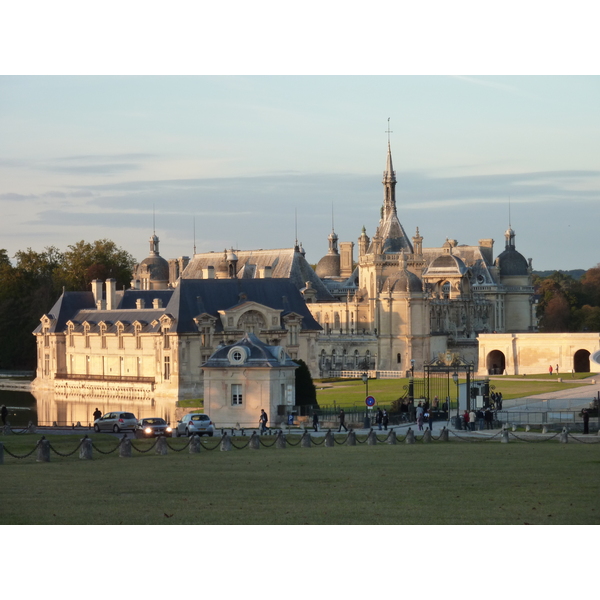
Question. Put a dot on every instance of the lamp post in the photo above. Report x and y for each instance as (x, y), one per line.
(455, 379)
(367, 421)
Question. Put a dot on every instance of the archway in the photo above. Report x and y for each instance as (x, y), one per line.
(496, 362)
(581, 361)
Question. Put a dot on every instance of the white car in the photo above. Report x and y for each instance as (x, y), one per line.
(195, 423)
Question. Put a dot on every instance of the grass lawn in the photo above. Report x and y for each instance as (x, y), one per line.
(438, 483)
(351, 392)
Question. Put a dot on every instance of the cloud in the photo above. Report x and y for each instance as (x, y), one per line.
(17, 197)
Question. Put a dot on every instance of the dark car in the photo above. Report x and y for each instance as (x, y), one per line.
(152, 427)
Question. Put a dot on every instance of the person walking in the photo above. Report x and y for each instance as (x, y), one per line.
(556, 370)
(420, 413)
(97, 414)
(550, 369)
(315, 421)
(263, 420)
(466, 419)
(386, 419)
(379, 419)
(480, 419)
(342, 418)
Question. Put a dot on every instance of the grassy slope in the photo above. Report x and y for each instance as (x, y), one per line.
(479, 483)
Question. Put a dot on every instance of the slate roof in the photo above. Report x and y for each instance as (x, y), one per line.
(259, 355)
(285, 263)
(193, 297)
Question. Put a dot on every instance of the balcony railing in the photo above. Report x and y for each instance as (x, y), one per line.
(114, 378)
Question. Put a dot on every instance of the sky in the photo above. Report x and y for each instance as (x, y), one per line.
(231, 132)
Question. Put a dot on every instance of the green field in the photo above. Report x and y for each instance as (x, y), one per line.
(351, 392)
(438, 483)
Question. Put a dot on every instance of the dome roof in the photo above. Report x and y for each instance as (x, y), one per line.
(446, 264)
(157, 267)
(511, 262)
(404, 281)
(329, 266)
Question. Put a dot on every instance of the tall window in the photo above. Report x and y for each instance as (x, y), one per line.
(236, 394)
(167, 368)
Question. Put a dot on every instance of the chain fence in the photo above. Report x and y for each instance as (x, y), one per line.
(313, 441)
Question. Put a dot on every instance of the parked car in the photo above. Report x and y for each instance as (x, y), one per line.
(152, 427)
(195, 423)
(116, 421)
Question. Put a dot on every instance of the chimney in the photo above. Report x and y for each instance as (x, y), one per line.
(265, 272)
(486, 248)
(157, 303)
(139, 303)
(97, 292)
(346, 258)
(111, 294)
(208, 273)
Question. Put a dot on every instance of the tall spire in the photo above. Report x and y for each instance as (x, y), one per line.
(389, 182)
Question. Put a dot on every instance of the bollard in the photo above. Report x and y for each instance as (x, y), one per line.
(6, 429)
(30, 427)
(280, 441)
(545, 429)
(195, 445)
(1, 453)
(391, 438)
(410, 436)
(527, 428)
(444, 434)
(372, 438)
(564, 436)
(85, 450)
(351, 439)
(427, 436)
(254, 442)
(225, 443)
(504, 439)
(161, 445)
(43, 451)
(329, 439)
(514, 427)
(125, 447)
(305, 440)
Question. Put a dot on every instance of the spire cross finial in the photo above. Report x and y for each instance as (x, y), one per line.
(388, 130)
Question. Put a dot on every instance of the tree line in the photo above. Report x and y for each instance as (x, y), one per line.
(30, 287)
(566, 304)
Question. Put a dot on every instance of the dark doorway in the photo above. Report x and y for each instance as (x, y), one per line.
(496, 363)
(581, 361)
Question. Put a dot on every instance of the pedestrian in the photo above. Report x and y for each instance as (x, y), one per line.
(386, 419)
(435, 403)
(499, 401)
(419, 414)
(466, 419)
(4, 414)
(315, 421)
(430, 420)
(480, 419)
(97, 414)
(550, 369)
(472, 417)
(342, 418)
(489, 419)
(379, 419)
(556, 370)
(263, 420)
(426, 417)
(586, 420)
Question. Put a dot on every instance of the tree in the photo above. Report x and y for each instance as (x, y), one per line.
(306, 392)
(83, 262)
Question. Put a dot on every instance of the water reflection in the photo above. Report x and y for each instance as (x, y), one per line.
(48, 407)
